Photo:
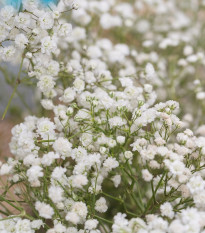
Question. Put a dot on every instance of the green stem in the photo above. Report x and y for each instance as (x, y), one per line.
(104, 228)
(14, 91)
(110, 196)
(103, 219)
(149, 204)
(5, 213)
(137, 184)
(11, 204)
(51, 140)
(14, 216)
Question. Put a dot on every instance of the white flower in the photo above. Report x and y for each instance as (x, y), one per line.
(63, 147)
(116, 121)
(116, 180)
(64, 29)
(126, 82)
(196, 184)
(190, 216)
(59, 227)
(177, 226)
(167, 210)
(91, 224)
(78, 34)
(22, 20)
(46, 21)
(46, 83)
(79, 85)
(34, 173)
(121, 139)
(7, 53)
(86, 139)
(139, 144)
(52, 68)
(68, 95)
(49, 158)
(28, 55)
(23, 226)
(58, 173)
(73, 218)
(78, 213)
(120, 223)
(111, 143)
(147, 116)
(47, 104)
(146, 175)
(68, 2)
(128, 154)
(6, 13)
(199, 199)
(150, 71)
(101, 205)
(36, 224)
(48, 45)
(78, 181)
(46, 128)
(21, 41)
(200, 95)
(176, 167)
(148, 88)
(201, 130)
(31, 159)
(94, 52)
(110, 163)
(162, 151)
(44, 210)
(30, 5)
(82, 114)
(55, 193)
(79, 153)
(108, 21)
(5, 169)
(148, 154)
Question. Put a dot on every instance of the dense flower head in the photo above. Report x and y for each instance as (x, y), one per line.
(89, 142)
(110, 153)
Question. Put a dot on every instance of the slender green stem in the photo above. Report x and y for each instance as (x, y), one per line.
(101, 224)
(137, 184)
(153, 194)
(6, 209)
(110, 196)
(50, 140)
(103, 219)
(15, 88)
(11, 217)
(11, 204)
(9, 102)
(5, 213)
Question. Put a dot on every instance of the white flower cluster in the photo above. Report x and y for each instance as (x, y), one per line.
(20, 225)
(67, 161)
(32, 36)
(189, 220)
(165, 33)
(106, 144)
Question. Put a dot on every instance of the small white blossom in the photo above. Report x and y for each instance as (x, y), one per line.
(101, 205)
(44, 210)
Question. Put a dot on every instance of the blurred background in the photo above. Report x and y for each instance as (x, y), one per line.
(23, 103)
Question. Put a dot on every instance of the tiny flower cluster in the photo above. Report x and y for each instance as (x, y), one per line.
(107, 135)
(108, 155)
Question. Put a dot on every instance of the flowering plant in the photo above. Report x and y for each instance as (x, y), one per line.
(109, 154)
